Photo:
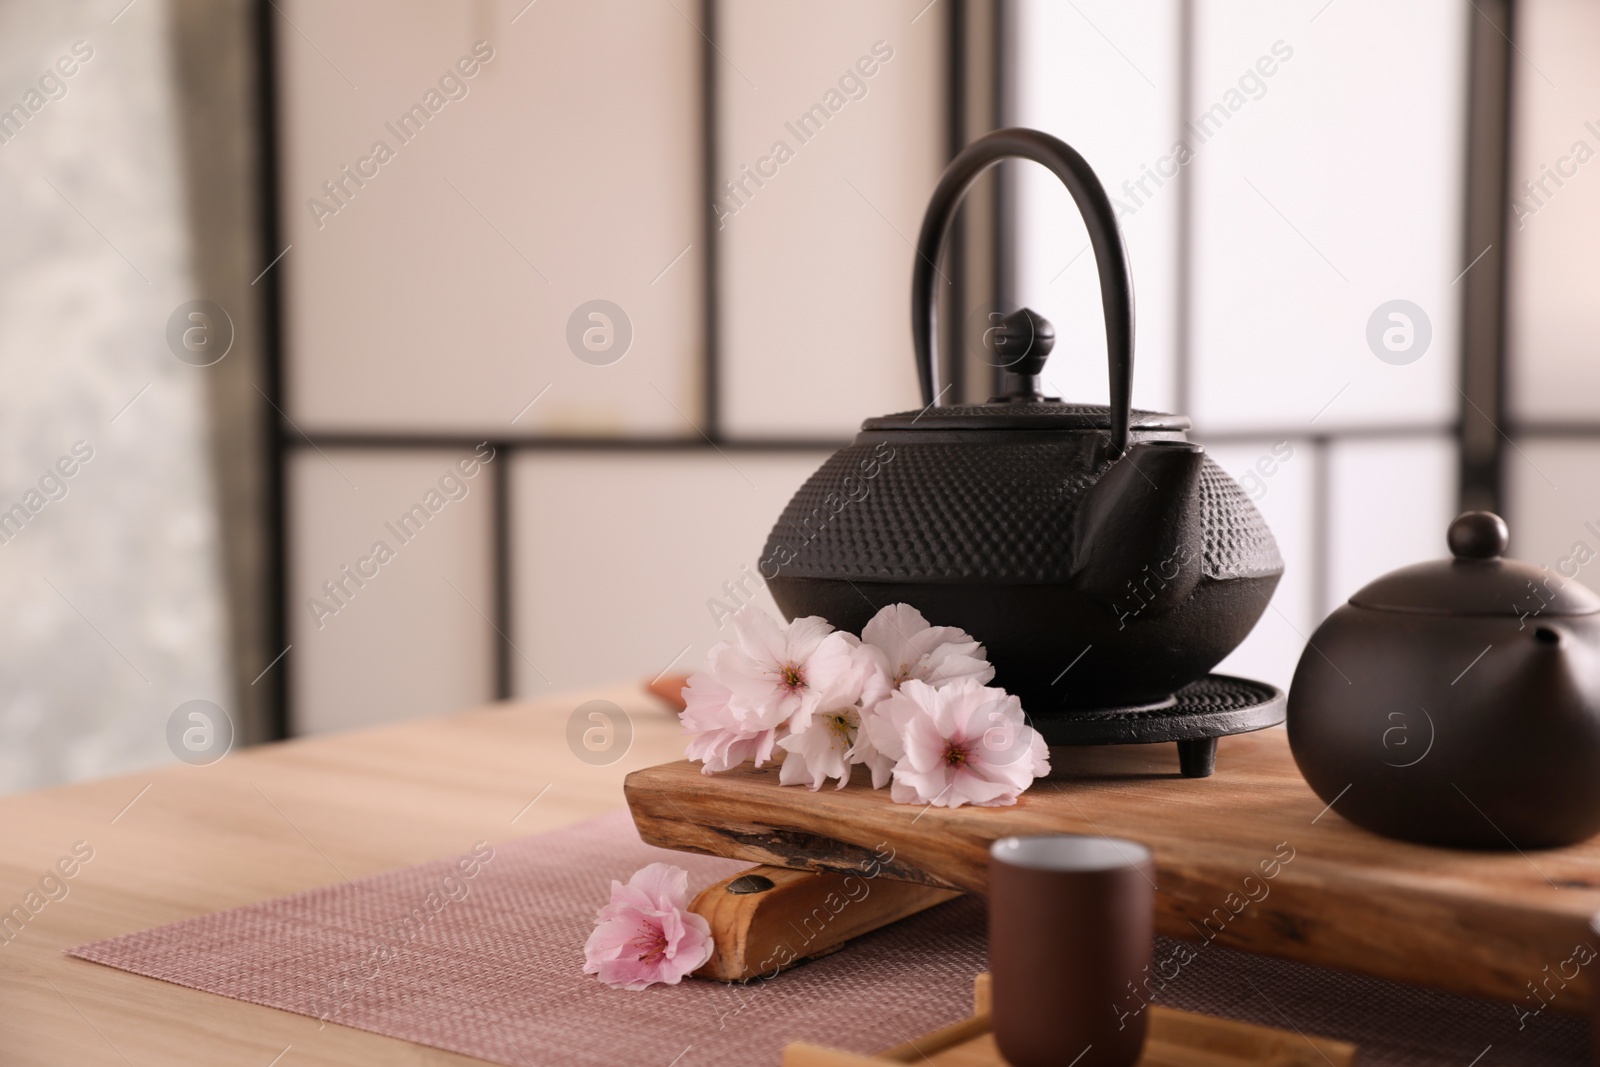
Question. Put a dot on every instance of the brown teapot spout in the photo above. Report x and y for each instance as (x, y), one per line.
(1140, 536)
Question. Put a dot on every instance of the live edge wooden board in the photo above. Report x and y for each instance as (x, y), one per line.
(1249, 858)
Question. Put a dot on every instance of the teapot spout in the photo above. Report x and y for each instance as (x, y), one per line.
(1139, 535)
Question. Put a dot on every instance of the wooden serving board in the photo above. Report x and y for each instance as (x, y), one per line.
(1249, 858)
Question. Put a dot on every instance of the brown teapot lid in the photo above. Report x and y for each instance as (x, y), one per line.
(1479, 580)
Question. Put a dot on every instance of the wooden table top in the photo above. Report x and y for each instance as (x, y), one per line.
(181, 841)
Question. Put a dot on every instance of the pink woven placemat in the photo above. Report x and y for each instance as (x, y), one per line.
(496, 974)
(491, 966)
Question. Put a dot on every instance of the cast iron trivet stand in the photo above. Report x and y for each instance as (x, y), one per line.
(1200, 712)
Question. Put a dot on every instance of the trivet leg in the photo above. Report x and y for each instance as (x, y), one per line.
(1197, 758)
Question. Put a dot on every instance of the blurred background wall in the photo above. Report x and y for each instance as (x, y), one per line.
(112, 570)
(559, 302)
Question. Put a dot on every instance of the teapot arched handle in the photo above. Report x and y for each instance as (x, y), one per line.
(1111, 257)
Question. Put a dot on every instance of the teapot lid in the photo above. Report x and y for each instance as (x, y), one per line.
(1021, 343)
(1478, 581)
(1044, 413)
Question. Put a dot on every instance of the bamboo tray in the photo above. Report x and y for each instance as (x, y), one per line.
(1177, 1039)
(1250, 858)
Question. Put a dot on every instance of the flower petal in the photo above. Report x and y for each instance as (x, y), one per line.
(667, 886)
(804, 637)
(759, 635)
(892, 629)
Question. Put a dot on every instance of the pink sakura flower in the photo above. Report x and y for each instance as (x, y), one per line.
(753, 686)
(908, 700)
(826, 738)
(646, 934)
(722, 735)
(766, 665)
(910, 648)
(963, 743)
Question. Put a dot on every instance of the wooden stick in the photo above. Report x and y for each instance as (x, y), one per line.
(770, 918)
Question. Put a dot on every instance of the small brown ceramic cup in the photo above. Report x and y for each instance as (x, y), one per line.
(1071, 920)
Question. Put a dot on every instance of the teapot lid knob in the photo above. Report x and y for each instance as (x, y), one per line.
(1478, 535)
(1022, 343)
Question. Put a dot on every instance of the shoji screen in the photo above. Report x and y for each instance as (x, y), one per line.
(440, 293)
(1553, 372)
(813, 290)
(1285, 172)
(623, 588)
(434, 294)
(817, 259)
(535, 158)
(1105, 78)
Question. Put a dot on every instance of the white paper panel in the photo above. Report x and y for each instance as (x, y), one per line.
(1390, 503)
(1321, 193)
(412, 640)
(1555, 505)
(1284, 497)
(1073, 59)
(438, 297)
(617, 558)
(817, 260)
(1555, 190)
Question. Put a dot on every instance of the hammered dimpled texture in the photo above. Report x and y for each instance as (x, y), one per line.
(1238, 542)
(997, 511)
(1002, 511)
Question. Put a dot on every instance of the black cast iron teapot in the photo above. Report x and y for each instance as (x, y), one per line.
(1457, 702)
(1081, 536)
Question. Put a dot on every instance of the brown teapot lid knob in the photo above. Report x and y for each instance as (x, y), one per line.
(1479, 581)
(1478, 535)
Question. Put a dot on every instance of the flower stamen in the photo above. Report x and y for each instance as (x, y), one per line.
(791, 677)
(652, 941)
(908, 670)
(844, 725)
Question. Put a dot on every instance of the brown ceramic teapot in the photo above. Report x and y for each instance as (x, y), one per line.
(1457, 702)
(1088, 536)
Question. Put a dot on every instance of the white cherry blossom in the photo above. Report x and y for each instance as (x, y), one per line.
(911, 649)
